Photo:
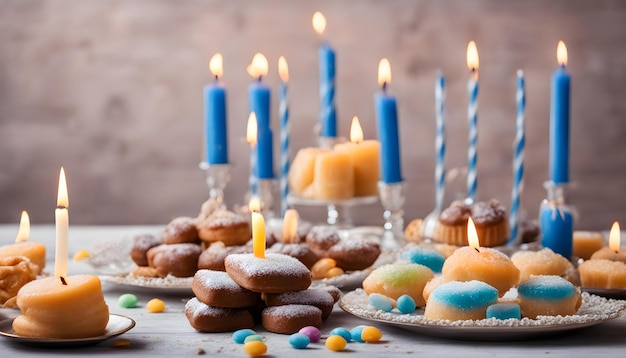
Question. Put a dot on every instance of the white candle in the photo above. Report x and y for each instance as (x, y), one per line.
(62, 226)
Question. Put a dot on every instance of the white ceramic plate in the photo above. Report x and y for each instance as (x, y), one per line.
(117, 325)
(169, 284)
(594, 310)
(618, 293)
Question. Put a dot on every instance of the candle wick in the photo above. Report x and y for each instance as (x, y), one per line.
(63, 281)
(217, 77)
(61, 207)
(385, 86)
(477, 249)
(260, 76)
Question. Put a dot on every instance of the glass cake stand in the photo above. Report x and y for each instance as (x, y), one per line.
(336, 209)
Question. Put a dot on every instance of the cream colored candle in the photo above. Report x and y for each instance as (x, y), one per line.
(290, 226)
(364, 160)
(480, 263)
(258, 235)
(585, 243)
(35, 252)
(334, 176)
(302, 171)
(613, 252)
(54, 307)
(62, 226)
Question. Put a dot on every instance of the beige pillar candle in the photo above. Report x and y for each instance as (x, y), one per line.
(334, 176)
(302, 171)
(35, 252)
(613, 252)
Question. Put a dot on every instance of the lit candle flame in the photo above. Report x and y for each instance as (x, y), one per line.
(561, 54)
(252, 130)
(62, 199)
(254, 205)
(384, 72)
(319, 22)
(472, 235)
(615, 237)
(216, 65)
(290, 226)
(259, 66)
(472, 56)
(24, 232)
(356, 132)
(283, 69)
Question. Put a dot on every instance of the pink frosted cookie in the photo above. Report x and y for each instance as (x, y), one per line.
(205, 318)
(216, 288)
(276, 273)
(313, 297)
(289, 319)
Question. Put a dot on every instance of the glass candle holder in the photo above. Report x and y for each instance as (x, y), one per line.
(217, 177)
(392, 198)
(266, 193)
(556, 219)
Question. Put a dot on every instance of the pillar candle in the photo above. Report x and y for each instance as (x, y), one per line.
(387, 124)
(62, 227)
(559, 119)
(259, 99)
(215, 126)
(35, 252)
(328, 116)
(557, 229)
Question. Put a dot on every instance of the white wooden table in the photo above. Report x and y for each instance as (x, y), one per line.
(169, 333)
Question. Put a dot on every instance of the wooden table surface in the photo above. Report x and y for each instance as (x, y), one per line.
(169, 333)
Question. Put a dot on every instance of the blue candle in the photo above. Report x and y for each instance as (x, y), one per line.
(328, 116)
(216, 136)
(387, 124)
(259, 98)
(557, 229)
(559, 120)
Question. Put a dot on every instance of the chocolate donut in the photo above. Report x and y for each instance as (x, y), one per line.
(181, 230)
(312, 297)
(180, 260)
(289, 319)
(205, 318)
(141, 245)
(216, 288)
(275, 273)
(354, 253)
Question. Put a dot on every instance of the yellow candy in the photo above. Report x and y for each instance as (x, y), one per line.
(255, 348)
(121, 343)
(81, 255)
(321, 268)
(335, 343)
(335, 271)
(155, 305)
(371, 334)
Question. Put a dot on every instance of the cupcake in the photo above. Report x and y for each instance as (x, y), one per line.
(489, 218)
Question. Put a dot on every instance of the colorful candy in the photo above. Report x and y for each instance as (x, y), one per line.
(155, 305)
(240, 335)
(406, 304)
(81, 255)
(127, 300)
(313, 333)
(255, 348)
(299, 340)
(380, 302)
(253, 338)
(356, 333)
(336, 343)
(340, 331)
(371, 334)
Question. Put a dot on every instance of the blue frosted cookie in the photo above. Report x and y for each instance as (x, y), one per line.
(504, 311)
(428, 257)
(548, 295)
(457, 300)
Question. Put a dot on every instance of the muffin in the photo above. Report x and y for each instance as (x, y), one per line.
(489, 217)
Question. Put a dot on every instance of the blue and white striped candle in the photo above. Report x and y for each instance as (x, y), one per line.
(252, 131)
(472, 110)
(328, 115)
(285, 131)
(518, 159)
(440, 141)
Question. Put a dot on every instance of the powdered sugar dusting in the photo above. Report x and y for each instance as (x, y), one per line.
(273, 263)
(178, 226)
(222, 218)
(594, 309)
(194, 308)
(291, 311)
(311, 296)
(216, 280)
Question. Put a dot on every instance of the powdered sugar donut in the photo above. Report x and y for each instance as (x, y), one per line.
(300, 251)
(206, 318)
(354, 253)
(225, 226)
(275, 273)
(216, 288)
(289, 319)
(181, 230)
(313, 297)
(180, 260)
(213, 257)
(141, 245)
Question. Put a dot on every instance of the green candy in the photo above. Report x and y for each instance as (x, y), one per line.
(127, 300)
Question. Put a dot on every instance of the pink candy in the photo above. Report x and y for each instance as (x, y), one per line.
(312, 332)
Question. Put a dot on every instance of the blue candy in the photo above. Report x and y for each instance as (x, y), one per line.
(240, 336)
(356, 333)
(340, 331)
(504, 311)
(299, 340)
(465, 295)
(551, 288)
(405, 304)
(424, 256)
(381, 302)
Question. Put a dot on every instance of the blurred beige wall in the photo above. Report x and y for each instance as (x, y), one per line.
(112, 91)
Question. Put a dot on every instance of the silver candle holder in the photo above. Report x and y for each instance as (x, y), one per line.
(266, 189)
(392, 198)
(217, 177)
